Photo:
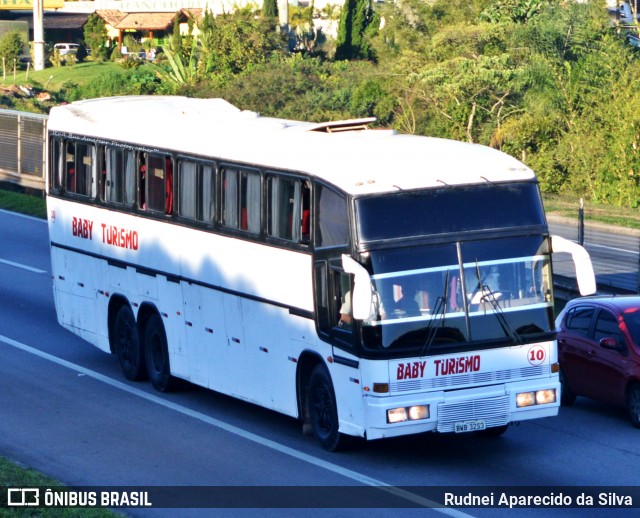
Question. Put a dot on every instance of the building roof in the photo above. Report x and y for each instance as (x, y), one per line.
(111, 16)
(57, 21)
(146, 21)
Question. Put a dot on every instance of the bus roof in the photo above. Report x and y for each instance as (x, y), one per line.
(357, 160)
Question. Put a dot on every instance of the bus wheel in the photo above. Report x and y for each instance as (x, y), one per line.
(567, 398)
(127, 345)
(322, 409)
(157, 355)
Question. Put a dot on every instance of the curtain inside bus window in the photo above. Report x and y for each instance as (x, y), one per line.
(70, 167)
(155, 180)
(55, 164)
(284, 208)
(251, 202)
(129, 171)
(168, 185)
(230, 198)
(84, 168)
(187, 182)
(333, 219)
(207, 193)
(113, 191)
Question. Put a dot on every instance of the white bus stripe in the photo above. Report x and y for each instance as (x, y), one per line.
(240, 432)
(23, 266)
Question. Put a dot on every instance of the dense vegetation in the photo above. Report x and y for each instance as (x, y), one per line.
(548, 81)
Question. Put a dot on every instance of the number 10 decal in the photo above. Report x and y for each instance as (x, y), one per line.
(536, 355)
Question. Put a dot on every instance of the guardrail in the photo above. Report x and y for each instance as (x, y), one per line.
(22, 148)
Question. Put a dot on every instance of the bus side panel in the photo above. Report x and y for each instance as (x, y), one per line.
(171, 310)
(199, 335)
(75, 293)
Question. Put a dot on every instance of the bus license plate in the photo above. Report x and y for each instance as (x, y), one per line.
(470, 426)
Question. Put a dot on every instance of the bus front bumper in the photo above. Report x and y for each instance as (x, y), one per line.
(461, 410)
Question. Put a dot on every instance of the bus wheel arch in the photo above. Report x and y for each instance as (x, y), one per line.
(156, 352)
(124, 339)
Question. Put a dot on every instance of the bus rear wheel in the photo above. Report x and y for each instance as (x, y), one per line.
(157, 355)
(323, 411)
(127, 345)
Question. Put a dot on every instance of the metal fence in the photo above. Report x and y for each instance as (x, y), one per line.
(22, 148)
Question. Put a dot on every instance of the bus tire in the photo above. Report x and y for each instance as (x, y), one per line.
(127, 345)
(322, 409)
(157, 355)
(567, 397)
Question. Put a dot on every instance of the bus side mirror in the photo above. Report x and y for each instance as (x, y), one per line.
(584, 269)
(362, 288)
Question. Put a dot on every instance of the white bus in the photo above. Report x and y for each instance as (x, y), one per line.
(368, 283)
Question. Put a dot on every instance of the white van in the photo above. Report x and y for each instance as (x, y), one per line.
(66, 48)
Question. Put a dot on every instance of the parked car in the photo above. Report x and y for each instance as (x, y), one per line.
(66, 48)
(599, 351)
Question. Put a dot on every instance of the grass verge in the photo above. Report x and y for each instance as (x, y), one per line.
(569, 207)
(13, 475)
(23, 203)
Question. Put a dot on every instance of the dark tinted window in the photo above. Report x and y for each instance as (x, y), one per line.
(333, 219)
(607, 327)
(579, 319)
(448, 209)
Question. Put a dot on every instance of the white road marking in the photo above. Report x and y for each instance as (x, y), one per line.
(23, 266)
(304, 457)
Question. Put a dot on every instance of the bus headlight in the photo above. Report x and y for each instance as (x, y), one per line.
(412, 413)
(545, 396)
(539, 397)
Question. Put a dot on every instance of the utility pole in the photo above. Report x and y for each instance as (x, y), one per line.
(283, 15)
(38, 35)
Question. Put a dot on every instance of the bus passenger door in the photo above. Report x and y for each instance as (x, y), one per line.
(337, 326)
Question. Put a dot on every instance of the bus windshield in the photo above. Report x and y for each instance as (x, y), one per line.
(449, 210)
(464, 294)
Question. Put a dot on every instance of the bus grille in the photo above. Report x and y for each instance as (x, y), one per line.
(495, 411)
(460, 380)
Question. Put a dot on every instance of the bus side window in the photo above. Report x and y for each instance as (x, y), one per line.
(285, 211)
(196, 181)
(55, 163)
(333, 218)
(187, 189)
(120, 179)
(85, 170)
(241, 200)
(158, 183)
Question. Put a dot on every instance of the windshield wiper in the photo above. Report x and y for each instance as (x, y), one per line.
(440, 310)
(488, 295)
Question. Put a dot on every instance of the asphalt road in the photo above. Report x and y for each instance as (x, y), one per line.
(614, 252)
(67, 411)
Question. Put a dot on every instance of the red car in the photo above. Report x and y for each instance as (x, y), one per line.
(599, 351)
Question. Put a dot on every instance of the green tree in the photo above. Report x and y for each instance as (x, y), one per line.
(95, 35)
(270, 8)
(11, 47)
(358, 22)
